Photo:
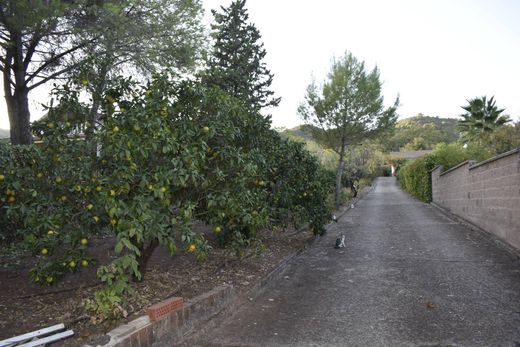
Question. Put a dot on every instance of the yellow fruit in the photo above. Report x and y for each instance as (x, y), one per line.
(2, 177)
(84, 82)
(163, 189)
(68, 124)
(63, 198)
(150, 186)
(49, 279)
(11, 199)
(77, 188)
(191, 248)
(58, 179)
(50, 232)
(84, 263)
(115, 129)
(164, 113)
(98, 189)
(50, 125)
(90, 206)
(72, 264)
(112, 192)
(304, 194)
(113, 221)
(96, 218)
(39, 175)
(84, 242)
(44, 251)
(205, 129)
(33, 161)
(217, 229)
(110, 99)
(137, 128)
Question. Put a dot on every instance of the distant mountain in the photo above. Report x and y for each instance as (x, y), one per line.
(422, 132)
(410, 134)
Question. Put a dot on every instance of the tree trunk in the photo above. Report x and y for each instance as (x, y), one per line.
(339, 175)
(16, 91)
(97, 94)
(146, 253)
(353, 188)
(19, 117)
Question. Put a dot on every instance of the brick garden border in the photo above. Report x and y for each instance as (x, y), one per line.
(172, 321)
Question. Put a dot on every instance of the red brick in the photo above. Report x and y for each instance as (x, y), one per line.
(164, 308)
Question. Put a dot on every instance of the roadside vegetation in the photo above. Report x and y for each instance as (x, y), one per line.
(144, 159)
(485, 132)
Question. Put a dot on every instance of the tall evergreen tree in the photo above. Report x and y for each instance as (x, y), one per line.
(236, 64)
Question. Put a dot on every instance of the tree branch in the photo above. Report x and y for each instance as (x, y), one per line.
(55, 59)
(35, 40)
(50, 77)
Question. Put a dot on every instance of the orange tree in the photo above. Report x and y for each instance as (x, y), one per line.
(166, 154)
(298, 186)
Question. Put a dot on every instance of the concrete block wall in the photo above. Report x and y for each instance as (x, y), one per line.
(487, 194)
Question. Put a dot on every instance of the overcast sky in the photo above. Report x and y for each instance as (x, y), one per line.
(434, 54)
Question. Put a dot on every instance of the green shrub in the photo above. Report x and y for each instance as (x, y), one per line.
(166, 154)
(415, 177)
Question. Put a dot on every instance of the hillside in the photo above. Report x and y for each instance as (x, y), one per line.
(422, 132)
(327, 157)
(410, 134)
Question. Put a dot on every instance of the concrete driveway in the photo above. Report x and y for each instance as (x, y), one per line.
(409, 276)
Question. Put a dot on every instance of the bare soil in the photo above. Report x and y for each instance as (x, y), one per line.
(25, 306)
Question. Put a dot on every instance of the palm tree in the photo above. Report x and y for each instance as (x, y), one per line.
(482, 118)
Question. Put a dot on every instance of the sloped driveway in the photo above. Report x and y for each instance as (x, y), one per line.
(409, 276)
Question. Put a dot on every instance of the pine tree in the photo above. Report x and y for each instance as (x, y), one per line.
(236, 64)
(347, 109)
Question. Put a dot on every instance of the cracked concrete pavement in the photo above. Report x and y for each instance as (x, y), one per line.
(409, 276)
